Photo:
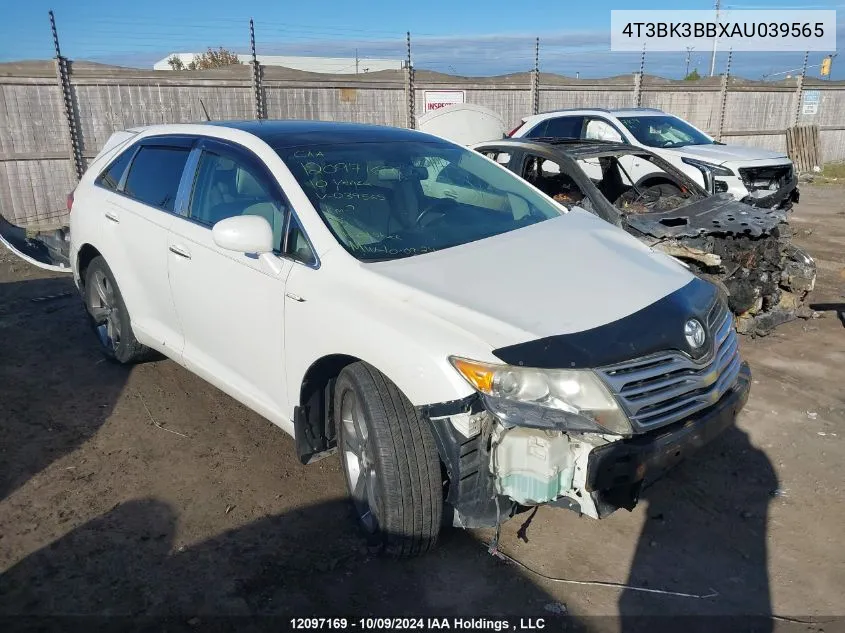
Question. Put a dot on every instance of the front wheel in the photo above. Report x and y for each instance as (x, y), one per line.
(390, 462)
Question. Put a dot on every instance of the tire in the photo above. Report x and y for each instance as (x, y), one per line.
(664, 189)
(108, 316)
(393, 476)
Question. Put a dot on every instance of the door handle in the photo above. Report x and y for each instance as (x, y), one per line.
(180, 251)
(290, 295)
(111, 215)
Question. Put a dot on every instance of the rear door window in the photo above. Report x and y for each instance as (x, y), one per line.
(110, 178)
(565, 127)
(551, 178)
(155, 174)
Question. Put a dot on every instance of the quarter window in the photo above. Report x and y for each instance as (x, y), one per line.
(154, 176)
(110, 178)
(297, 246)
(228, 185)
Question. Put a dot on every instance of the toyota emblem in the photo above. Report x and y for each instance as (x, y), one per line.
(694, 333)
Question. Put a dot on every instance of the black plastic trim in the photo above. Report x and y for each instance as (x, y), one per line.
(450, 407)
(472, 488)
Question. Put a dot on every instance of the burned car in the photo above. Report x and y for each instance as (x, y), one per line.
(746, 250)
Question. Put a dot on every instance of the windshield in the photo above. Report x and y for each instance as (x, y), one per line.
(399, 199)
(664, 131)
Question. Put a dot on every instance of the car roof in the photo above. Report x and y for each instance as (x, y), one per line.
(573, 147)
(282, 133)
(614, 111)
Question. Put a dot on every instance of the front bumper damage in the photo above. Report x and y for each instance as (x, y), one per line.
(494, 470)
(770, 187)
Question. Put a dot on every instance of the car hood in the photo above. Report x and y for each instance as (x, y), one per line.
(719, 154)
(714, 215)
(561, 276)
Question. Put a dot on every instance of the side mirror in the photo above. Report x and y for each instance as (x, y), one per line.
(244, 234)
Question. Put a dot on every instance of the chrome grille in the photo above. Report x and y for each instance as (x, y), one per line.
(668, 387)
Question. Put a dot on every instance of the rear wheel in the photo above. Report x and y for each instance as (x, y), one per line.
(390, 462)
(108, 315)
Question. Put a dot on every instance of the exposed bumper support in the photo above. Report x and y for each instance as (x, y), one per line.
(612, 474)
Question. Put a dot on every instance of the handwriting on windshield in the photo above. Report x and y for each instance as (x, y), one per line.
(390, 252)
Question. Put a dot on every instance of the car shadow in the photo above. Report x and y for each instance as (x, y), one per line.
(127, 567)
(48, 357)
(706, 527)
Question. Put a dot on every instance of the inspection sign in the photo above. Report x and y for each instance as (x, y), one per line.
(811, 101)
(436, 99)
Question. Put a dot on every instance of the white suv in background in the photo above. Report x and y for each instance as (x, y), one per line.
(757, 176)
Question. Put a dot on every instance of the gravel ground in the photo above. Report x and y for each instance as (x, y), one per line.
(147, 492)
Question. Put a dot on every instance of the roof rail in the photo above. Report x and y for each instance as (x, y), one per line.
(636, 110)
(573, 110)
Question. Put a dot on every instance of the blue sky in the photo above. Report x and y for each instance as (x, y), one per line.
(467, 37)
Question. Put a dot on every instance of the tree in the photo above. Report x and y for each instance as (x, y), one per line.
(210, 59)
(175, 63)
(214, 59)
(693, 75)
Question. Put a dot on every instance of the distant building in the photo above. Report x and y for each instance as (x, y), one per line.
(330, 65)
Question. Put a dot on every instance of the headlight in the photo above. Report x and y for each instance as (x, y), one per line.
(716, 169)
(570, 399)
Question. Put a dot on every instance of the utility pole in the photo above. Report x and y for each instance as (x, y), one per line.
(535, 79)
(410, 88)
(715, 39)
(689, 50)
(71, 112)
(356, 61)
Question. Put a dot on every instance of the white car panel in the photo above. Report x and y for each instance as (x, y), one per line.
(231, 310)
(134, 240)
(498, 287)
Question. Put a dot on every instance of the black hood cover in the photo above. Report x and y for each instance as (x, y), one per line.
(658, 327)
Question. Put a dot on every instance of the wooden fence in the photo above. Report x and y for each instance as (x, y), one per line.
(37, 154)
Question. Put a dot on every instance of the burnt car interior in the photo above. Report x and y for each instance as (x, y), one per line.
(662, 191)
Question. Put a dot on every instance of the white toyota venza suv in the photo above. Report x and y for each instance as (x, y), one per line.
(754, 175)
(469, 346)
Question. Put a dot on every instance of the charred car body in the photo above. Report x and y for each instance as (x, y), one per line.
(745, 249)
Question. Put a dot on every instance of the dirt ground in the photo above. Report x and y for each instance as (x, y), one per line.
(145, 491)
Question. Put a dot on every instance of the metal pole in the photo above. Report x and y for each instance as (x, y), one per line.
(535, 79)
(799, 94)
(409, 69)
(638, 81)
(723, 103)
(257, 89)
(715, 39)
(689, 51)
(63, 79)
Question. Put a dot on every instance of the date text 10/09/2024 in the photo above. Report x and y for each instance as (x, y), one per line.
(418, 624)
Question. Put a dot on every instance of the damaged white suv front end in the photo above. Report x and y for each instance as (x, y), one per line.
(636, 399)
